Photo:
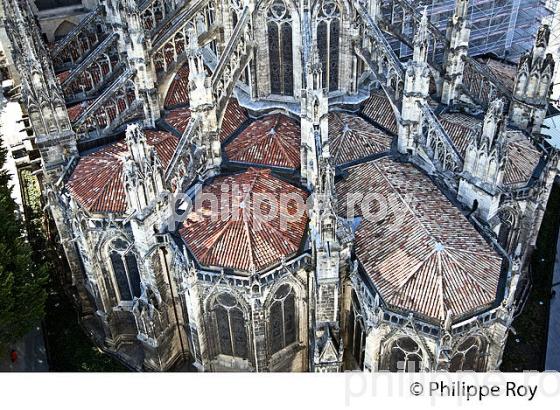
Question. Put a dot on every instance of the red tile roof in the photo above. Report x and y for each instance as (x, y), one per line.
(233, 118)
(423, 255)
(352, 138)
(76, 110)
(522, 159)
(461, 129)
(378, 108)
(237, 237)
(273, 140)
(97, 184)
(179, 118)
(522, 156)
(178, 93)
(506, 72)
(63, 76)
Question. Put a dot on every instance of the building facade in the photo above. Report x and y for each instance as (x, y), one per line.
(267, 186)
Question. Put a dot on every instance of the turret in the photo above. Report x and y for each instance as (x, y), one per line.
(484, 164)
(40, 91)
(533, 84)
(416, 90)
(458, 34)
(203, 102)
(374, 9)
(143, 174)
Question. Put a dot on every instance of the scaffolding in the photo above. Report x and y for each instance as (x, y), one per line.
(505, 28)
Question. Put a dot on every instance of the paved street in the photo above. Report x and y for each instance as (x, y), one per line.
(32, 356)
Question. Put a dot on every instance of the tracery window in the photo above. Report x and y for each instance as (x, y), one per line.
(356, 335)
(230, 326)
(282, 319)
(506, 227)
(125, 270)
(468, 356)
(405, 355)
(328, 41)
(280, 49)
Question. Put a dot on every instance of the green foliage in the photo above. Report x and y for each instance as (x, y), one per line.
(70, 350)
(22, 279)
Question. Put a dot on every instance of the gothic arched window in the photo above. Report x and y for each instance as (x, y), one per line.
(125, 270)
(356, 335)
(507, 221)
(230, 326)
(280, 49)
(404, 355)
(328, 41)
(283, 329)
(468, 356)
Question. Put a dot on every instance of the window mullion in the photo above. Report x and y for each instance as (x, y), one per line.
(231, 333)
(123, 258)
(283, 324)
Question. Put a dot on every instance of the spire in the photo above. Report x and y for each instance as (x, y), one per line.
(203, 102)
(458, 34)
(314, 71)
(142, 171)
(484, 164)
(416, 90)
(41, 92)
(461, 9)
(533, 83)
(541, 41)
(196, 62)
(421, 39)
(493, 125)
(314, 119)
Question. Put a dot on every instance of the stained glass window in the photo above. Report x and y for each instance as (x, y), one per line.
(328, 42)
(280, 49)
(125, 270)
(274, 56)
(230, 326)
(467, 357)
(282, 324)
(406, 356)
(356, 335)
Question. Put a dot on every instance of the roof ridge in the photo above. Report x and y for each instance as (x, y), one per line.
(405, 202)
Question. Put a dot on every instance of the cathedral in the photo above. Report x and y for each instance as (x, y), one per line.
(162, 124)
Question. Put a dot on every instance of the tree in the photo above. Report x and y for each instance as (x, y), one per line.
(22, 280)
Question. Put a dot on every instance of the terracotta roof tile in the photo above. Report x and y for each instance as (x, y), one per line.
(522, 159)
(233, 118)
(522, 156)
(76, 110)
(178, 93)
(237, 237)
(423, 255)
(179, 118)
(352, 138)
(63, 76)
(506, 72)
(460, 128)
(97, 183)
(378, 109)
(273, 140)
